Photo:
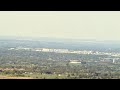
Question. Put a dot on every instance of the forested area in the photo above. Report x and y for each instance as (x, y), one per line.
(45, 65)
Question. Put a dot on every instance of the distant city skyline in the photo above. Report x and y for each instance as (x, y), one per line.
(98, 25)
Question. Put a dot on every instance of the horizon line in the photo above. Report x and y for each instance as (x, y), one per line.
(38, 37)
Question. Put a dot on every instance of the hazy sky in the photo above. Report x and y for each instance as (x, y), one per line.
(103, 25)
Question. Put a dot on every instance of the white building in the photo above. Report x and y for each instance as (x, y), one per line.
(45, 50)
(74, 61)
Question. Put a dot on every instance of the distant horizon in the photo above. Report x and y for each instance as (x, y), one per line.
(62, 38)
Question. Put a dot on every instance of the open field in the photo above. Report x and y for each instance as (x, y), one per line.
(11, 77)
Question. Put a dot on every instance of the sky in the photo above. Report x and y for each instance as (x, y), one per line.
(99, 25)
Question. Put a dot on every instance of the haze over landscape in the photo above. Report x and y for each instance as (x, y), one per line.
(97, 25)
(59, 45)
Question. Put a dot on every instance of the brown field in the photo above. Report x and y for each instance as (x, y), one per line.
(10, 77)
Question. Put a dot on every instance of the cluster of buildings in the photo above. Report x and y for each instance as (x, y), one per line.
(52, 50)
(66, 51)
(82, 52)
(42, 49)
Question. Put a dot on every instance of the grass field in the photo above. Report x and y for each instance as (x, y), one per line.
(46, 76)
(11, 77)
